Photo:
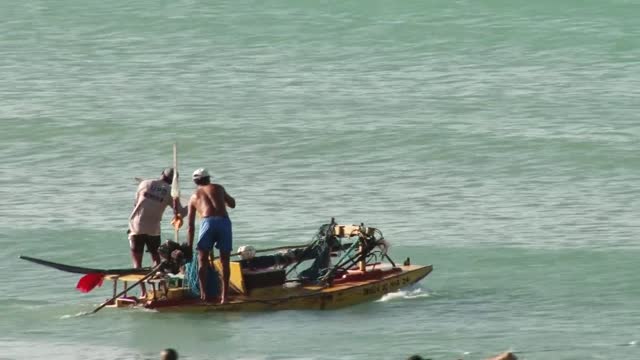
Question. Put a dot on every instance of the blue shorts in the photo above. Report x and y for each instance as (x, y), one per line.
(215, 230)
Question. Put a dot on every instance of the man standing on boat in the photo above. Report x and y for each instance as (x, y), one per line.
(152, 198)
(211, 201)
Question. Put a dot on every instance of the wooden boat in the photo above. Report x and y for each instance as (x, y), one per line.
(281, 297)
(364, 272)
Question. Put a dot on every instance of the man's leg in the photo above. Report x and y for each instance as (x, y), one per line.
(153, 243)
(203, 265)
(225, 245)
(136, 257)
(137, 250)
(224, 259)
(155, 255)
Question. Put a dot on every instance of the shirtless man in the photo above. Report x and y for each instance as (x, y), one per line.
(211, 201)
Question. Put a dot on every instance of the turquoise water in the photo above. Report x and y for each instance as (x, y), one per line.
(496, 140)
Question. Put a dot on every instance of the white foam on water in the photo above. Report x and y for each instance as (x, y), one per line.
(406, 294)
(68, 316)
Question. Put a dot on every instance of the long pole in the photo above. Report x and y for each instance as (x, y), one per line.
(175, 189)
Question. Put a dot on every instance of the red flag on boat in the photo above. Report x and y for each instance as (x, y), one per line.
(89, 282)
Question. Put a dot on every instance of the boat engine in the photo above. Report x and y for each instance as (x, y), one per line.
(174, 256)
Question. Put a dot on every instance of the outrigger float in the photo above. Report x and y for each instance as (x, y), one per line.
(363, 272)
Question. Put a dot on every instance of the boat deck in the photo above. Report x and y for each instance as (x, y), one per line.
(295, 297)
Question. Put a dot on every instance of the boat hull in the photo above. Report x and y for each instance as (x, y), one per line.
(308, 297)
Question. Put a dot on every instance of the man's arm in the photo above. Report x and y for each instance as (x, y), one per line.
(191, 220)
(135, 201)
(178, 208)
(139, 191)
(229, 200)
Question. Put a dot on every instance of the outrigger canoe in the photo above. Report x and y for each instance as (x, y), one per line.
(363, 272)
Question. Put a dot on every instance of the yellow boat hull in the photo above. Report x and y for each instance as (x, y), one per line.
(306, 297)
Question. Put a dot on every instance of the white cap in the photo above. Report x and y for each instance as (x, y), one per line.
(200, 173)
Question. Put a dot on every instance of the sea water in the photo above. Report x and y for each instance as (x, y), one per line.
(496, 140)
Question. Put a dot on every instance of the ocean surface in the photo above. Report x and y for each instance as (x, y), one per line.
(497, 140)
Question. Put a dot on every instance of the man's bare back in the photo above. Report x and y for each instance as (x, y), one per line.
(212, 200)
